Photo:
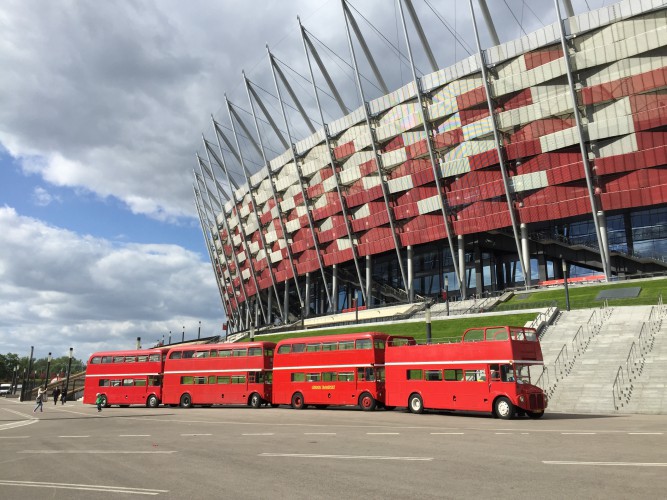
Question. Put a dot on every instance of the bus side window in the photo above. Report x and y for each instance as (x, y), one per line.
(413, 375)
(495, 372)
(506, 373)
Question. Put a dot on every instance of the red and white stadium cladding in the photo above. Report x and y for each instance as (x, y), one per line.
(619, 64)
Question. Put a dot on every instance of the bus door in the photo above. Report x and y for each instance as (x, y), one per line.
(473, 390)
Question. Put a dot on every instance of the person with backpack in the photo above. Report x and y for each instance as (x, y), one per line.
(98, 402)
(40, 399)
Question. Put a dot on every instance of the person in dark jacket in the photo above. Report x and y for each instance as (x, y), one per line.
(56, 395)
(63, 396)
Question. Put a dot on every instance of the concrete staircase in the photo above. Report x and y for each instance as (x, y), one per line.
(583, 351)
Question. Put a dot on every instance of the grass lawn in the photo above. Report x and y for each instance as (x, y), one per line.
(583, 297)
(440, 330)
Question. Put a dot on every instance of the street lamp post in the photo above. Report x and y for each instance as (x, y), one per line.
(199, 331)
(428, 324)
(183, 336)
(567, 292)
(447, 294)
(48, 367)
(15, 376)
(24, 385)
(69, 369)
(34, 381)
(356, 306)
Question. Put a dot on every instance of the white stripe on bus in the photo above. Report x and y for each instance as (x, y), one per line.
(203, 370)
(312, 367)
(120, 375)
(468, 362)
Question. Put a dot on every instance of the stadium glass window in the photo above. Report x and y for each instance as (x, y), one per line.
(96, 360)
(119, 359)
(364, 344)
(188, 354)
(453, 375)
(175, 355)
(225, 353)
(187, 380)
(238, 379)
(329, 377)
(346, 345)
(329, 346)
(433, 375)
(346, 377)
(313, 377)
(254, 351)
(240, 352)
(140, 382)
(284, 349)
(106, 359)
(414, 375)
(298, 377)
(379, 344)
(142, 359)
(224, 380)
(298, 347)
(313, 347)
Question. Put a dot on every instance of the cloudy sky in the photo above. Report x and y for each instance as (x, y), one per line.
(102, 107)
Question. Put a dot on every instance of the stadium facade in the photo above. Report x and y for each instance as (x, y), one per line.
(474, 178)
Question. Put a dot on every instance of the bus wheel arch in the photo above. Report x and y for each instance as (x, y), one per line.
(152, 401)
(503, 408)
(297, 401)
(415, 403)
(186, 401)
(367, 402)
(255, 400)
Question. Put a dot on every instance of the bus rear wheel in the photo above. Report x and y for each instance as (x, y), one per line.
(152, 401)
(255, 400)
(415, 403)
(186, 401)
(367, 402)
(503, 408)
(535, 414)
(297, 401)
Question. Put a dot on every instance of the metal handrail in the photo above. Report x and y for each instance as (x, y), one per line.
(630, 367)
(546, 383)
(561, 362)
(618, 390)
(578, 341)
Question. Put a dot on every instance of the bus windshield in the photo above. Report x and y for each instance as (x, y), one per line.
(522, 373)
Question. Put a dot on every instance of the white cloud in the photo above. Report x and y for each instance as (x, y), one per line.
(60, 289)
(42, 198)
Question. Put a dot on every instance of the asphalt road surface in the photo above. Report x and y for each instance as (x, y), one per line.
(74, 452)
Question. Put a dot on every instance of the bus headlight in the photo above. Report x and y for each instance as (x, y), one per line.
(522, 398)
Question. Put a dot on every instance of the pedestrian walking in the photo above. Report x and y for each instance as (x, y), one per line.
(56, 395)
(41, 394)
(63, 396)
(98, 401)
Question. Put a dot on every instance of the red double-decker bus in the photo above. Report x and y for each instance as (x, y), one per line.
(487, 371)
(218, 374)
(332, 370)
(125, 378)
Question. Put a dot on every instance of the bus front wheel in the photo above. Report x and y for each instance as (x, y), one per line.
(367, 402)
(152, 402)
(503, 408)
(415, 404)
(255, 400)
(186, 401)
(297, 401)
